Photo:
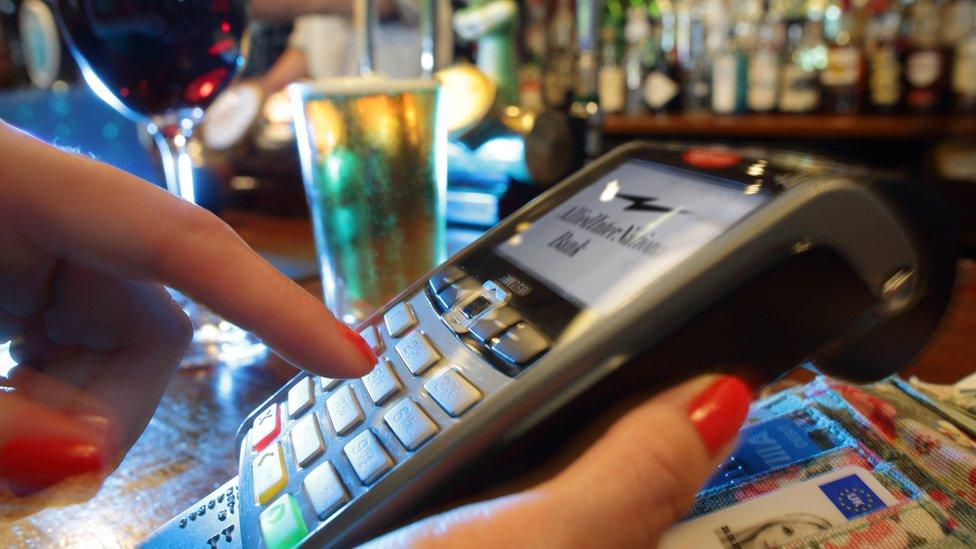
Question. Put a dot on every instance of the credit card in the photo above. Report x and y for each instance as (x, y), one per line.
(770, 445)
(213, 522)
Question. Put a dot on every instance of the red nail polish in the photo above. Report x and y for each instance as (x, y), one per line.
(359, 343)
(718, 412)
(36, 463)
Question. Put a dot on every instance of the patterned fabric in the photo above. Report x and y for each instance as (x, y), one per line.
(919, 523)
(927, 463)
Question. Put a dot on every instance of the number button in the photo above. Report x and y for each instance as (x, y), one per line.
(410, 424)
(344, 410)
(329, 383)
(368, 457)
(325, 490)
(381, 383)
(452, 392)
(399, 319)
(282, 525)
(417, 353)
(306, 440)
(266, 427)
(268, 472)
(372, 338)
(300, 397)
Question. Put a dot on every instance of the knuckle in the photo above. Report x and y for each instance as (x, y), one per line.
(192, 228)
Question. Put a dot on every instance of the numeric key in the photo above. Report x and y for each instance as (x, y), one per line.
(410, 424)
(368, 457)
(381, 383)
(344, 410)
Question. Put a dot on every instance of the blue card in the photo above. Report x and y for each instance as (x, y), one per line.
(769, 445)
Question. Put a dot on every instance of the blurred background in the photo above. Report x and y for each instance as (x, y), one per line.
(889, 83)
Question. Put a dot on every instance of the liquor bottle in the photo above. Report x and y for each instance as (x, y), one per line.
(763, 71)
(843, 80)
(640, 55)
(964, 68)
(662, 87)
(696, 71)
(729, 78)
(800, 88)
(560, 50)
(884, 56)
(587, 59)
(612, 82)
(957, 22)
(926, 62)
(531, 72)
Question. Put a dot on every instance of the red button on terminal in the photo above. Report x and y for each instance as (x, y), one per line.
(266, 427)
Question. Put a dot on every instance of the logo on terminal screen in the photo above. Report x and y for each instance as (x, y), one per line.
(645, 204)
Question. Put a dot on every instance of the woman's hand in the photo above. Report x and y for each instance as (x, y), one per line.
(84, 252)
(635, 475)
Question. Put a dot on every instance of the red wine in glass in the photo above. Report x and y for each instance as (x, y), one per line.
(157, 56)
(162, 62)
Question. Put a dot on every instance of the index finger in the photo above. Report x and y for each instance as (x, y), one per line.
(104, 219)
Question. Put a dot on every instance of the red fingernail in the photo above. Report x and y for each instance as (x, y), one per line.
(718, 412)
(36, 463)
(360, 344)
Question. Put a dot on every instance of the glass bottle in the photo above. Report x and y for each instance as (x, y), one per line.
(763, 71)
(531, 72)
(800, 86)
(662, 87)
(843, 80)
(640, 55)
(697, 81)
(611, 80)
(964, 68)
(561, 57)
(926, 63)
(884, 56)
(728, 78)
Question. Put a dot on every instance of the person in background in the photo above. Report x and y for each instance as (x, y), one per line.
(322, 44)
(85, 250)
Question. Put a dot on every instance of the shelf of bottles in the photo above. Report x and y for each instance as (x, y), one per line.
(806, 126)
(816, 68)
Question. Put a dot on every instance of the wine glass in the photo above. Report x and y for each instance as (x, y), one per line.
(160, 63)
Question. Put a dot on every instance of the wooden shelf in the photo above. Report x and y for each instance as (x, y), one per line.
(809, 126)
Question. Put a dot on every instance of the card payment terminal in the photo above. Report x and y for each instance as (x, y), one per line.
(651, 264)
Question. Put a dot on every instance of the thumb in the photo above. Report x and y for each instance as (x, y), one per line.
(647, 467)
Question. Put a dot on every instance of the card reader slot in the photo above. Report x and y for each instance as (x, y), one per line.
(818, 296)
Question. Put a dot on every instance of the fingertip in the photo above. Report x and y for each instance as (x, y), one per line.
(366, 358)
(338, 352)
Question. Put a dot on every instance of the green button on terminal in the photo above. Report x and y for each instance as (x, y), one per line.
(282, 524)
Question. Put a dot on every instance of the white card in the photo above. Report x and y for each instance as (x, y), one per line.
(785, 515)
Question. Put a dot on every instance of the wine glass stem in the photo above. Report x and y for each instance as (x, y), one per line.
(177, 165)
